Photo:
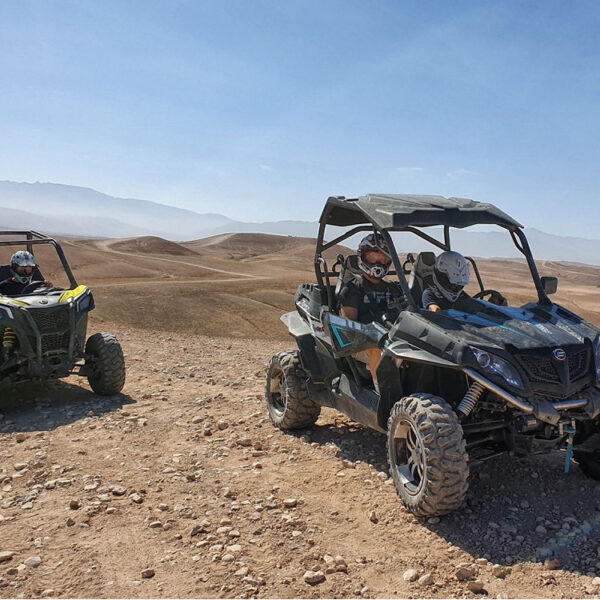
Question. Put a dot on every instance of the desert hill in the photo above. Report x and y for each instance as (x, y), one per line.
(150, 244)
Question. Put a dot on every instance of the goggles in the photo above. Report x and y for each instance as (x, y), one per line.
(373, 257)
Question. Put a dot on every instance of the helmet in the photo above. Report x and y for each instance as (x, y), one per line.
(451, 274)
(22, 259)
(372, 258)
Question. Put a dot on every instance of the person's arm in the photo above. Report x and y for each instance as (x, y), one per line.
(430, 301)
(350, 298)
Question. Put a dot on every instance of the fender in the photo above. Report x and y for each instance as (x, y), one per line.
(295, 324)
(403, 350)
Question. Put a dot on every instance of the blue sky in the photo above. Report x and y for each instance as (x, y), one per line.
(261, 109)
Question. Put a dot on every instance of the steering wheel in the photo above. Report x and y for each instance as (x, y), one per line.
(32, 286)
(495, 297)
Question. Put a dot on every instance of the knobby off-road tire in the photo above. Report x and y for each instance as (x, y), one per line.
(105, 363)
(427, 455)
(588, 456)
(287, 396)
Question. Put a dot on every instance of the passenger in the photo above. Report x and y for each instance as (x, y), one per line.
(23, 270)
(451, 274)
(367, 297)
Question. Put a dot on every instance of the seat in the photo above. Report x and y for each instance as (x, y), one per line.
(348, 270)
(421, 275)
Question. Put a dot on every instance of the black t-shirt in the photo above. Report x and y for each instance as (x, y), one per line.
(372, 300)
(11, 287)
(432, 295)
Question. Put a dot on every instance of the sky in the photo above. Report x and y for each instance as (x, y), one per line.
(261, 109)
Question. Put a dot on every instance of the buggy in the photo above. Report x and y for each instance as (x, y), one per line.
(44, 329)
(456, 387)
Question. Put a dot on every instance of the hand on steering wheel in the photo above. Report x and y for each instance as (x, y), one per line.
(495, 297)
(32, 286)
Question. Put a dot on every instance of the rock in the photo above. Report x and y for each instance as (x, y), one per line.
(373, 516)
(74, 504)
(222, 424)
(596, 581)
(33, 561)
(552, 564)
(425, 580)
(314, 577)
(20, 466)
(136, 498)
(234, 533)
(48, 593)
(111, 510)
(148, 573)
(433, 520)
(227, 558)
(20, 437)
(154, 524)
(475, 586)
(118, 490)
(290, 502)
(500, 571)
(340, 564)
(464, 574)
(242, 572)
(233, 549)
(70, 522)
(541, 530)
(410, 575)
(6, 555)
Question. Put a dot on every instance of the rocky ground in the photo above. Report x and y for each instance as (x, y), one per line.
(181, 487)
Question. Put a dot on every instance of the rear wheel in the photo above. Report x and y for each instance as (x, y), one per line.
(105, 364)
(427, 456)
(287, 396)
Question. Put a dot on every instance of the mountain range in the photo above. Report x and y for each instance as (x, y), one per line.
(77, 211)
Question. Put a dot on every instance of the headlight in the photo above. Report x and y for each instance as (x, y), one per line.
(598, 359)
(495, 366)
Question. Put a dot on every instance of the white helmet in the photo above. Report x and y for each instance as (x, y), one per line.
(451, 274)
(24, 259)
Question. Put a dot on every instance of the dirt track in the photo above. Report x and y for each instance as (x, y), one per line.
(231, 507)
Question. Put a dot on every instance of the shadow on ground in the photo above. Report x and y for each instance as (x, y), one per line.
(517, 509)
(44, 407)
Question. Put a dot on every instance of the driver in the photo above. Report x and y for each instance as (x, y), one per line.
(451, 274)
(368, 296)
(23, 270)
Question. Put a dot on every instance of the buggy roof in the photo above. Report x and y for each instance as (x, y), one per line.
(390, 211)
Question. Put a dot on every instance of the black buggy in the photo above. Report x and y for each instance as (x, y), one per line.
(456, 387)
(44, 329)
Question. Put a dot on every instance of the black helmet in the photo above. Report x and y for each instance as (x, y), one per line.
(374, 257)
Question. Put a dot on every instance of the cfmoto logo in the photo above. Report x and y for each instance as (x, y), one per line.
(560, 354)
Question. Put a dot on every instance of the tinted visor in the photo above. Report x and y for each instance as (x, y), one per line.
(373, 257)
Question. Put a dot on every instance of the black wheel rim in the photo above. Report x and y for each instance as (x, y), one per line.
(277, 387)
(408, 456)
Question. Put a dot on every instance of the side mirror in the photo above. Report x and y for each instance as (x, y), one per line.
(550, 285)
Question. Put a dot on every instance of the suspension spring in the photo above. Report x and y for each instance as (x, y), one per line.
(467, 404)
(9, 339)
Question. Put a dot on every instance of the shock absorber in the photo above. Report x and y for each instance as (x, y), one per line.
(9, 339)
(467, 404)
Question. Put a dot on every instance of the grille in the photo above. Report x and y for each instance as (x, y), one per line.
(55, 341)
(544, 369)
(579, 364)
(48, 320)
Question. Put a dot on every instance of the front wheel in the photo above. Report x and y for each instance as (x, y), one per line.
(288, 400)
(105, 364)
(588, 456)
(427, 455)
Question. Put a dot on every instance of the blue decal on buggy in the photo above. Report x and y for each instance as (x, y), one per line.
(339, 339)
(477, 320)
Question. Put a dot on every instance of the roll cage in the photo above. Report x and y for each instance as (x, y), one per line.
(31, 238)
(408, 213)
